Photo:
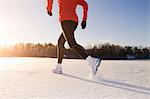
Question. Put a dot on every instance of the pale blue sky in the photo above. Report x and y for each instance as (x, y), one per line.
(124, 22)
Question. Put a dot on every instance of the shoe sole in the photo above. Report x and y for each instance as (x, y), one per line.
(59, 72)
(97, 67)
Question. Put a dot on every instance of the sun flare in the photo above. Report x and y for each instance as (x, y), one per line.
(3, 39)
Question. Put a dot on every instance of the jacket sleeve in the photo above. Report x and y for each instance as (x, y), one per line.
(84, 4)
(49, 5)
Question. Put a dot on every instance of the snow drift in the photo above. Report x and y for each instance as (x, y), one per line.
(31, 78)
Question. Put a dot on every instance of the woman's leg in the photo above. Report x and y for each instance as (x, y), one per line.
(68, 28)
(60, 48)
(68, 35)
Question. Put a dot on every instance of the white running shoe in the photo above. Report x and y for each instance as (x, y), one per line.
(94, 64)
(57, 69)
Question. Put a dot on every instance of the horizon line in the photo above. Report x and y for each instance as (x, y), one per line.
(87, 45)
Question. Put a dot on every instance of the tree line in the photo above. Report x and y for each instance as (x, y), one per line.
(105, 51)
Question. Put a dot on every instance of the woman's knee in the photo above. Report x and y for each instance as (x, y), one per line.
(73, 45)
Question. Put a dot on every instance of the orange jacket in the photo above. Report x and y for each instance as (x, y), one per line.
(67, 9)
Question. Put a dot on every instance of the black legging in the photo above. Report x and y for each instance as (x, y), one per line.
(68, 28)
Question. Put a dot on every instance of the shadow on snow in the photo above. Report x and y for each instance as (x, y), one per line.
(116, 84)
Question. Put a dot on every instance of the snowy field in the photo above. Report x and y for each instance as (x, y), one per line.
(31, 78)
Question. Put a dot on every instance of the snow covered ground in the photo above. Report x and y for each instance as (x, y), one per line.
(31, 78)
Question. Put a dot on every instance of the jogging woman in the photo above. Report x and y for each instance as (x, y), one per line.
(69, 22)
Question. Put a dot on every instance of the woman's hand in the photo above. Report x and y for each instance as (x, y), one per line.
(83, 24)
(50, 13)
